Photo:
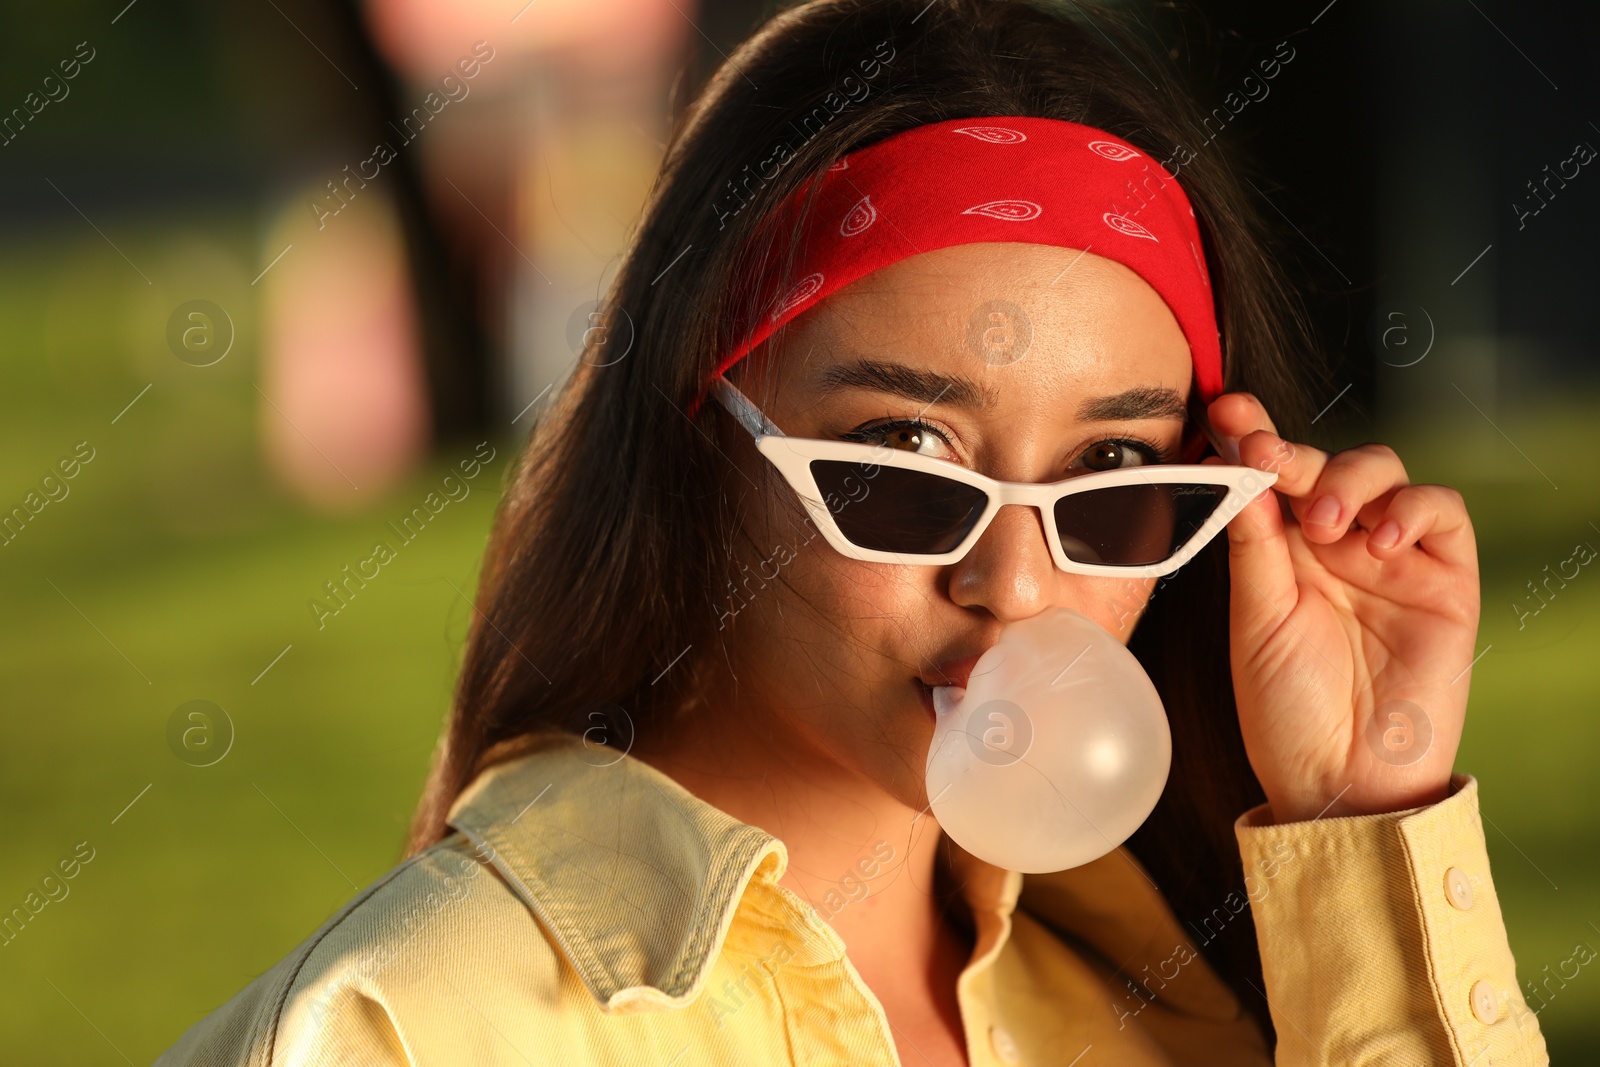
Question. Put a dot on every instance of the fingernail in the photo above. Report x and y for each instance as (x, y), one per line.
(1386, 535)
(1325, 512)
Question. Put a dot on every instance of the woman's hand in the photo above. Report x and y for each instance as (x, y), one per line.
(1354, 614)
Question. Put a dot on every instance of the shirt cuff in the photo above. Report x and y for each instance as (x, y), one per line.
(1382, 940)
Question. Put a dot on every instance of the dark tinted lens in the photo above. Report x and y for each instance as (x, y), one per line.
(1133, 525)
(891, 509)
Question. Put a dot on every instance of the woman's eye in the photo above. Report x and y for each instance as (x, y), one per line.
(1114, 455)
(907, 435)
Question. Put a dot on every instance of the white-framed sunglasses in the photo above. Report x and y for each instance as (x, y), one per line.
(887, 505)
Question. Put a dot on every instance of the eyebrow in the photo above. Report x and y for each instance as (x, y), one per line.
(1143, 402)
(929, 387)
(920, 385)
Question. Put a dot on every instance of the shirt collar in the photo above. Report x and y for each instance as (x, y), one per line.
(638, 880)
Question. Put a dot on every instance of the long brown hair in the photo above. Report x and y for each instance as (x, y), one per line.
(603, 585)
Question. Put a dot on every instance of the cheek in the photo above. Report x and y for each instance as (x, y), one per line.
(809, 585)
(1114, 603)
(844, 627)
(860, 601)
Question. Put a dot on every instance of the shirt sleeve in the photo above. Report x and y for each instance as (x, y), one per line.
(263, 1025)
(1382, 941)
(340, 1027)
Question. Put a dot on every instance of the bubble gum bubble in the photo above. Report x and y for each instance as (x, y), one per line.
(1056, 751)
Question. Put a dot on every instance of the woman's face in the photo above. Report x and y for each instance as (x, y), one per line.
(1025, 362)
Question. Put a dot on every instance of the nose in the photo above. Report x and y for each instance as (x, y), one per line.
(1009, 571)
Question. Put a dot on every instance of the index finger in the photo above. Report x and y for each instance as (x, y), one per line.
(1236, 414)
(1244, 418)
(1298, 467)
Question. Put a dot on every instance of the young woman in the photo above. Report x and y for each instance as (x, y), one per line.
(679, 815)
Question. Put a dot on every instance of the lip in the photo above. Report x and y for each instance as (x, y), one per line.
(952, 672)
(925, 691)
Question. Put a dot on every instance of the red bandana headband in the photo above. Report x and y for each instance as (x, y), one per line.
(1006, 178)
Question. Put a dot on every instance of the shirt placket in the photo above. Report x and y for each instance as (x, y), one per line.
(830, 1016)
(833, 1017)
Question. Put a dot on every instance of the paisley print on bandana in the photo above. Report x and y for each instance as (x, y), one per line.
(1013, 178)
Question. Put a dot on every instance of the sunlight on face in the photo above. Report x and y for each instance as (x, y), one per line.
(1024, 362)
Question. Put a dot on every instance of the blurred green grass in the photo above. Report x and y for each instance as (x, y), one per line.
(197, 568)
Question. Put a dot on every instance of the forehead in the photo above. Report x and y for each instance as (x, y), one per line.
(1035, 322)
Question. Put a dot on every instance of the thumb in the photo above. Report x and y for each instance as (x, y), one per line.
(1261, 574)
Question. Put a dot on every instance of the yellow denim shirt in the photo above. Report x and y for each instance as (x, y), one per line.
(586, 912)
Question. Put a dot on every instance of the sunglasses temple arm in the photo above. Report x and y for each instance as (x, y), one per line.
(749, 416)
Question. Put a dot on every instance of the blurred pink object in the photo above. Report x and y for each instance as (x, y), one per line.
(343, 400)
(424, 37)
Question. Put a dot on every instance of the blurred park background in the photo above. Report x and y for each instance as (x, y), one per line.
(240, 345)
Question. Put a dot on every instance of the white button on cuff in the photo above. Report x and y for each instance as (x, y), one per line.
(1005, 1046)
(1458, 888)
(1485, 1005)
